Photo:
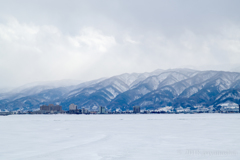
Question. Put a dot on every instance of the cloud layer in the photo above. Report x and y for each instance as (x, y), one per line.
(52, 40)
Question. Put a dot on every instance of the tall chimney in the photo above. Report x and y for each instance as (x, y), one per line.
(239, 108)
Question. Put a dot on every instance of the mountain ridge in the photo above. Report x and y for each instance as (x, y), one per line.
(178, 88)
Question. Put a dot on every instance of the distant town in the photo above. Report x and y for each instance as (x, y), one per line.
(73, 109)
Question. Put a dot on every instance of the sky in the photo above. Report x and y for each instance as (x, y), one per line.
(48, 40)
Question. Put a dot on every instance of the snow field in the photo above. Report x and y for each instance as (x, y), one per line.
(120, 137)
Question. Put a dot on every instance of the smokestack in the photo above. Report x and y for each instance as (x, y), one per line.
(239, 108)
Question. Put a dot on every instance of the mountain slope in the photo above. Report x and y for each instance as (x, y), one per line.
(184, 88)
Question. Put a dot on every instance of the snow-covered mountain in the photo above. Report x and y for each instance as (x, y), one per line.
(178, 88)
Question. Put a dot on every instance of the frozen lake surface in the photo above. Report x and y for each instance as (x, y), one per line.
(120, 137)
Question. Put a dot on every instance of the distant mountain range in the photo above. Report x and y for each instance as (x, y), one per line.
(185, 88)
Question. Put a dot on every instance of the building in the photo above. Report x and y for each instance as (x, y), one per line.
(51, 108)
(44, 108)
(102, 110)
(84, 110)
(72, 107)
(136, 109)
(5, 113)
(56, 108)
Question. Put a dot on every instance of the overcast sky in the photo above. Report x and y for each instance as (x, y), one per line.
(44, 40)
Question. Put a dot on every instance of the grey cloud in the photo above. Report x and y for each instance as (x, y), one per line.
(51, 40)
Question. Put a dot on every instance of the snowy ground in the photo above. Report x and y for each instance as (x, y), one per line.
(120, 137)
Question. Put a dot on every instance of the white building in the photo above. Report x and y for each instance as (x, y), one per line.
(72, 107)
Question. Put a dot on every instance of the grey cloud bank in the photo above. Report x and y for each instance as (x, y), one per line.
(52, 40)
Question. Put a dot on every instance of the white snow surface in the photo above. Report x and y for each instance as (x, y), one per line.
(128, 78)
(120, 137)
(143, 91)
(113, 92)
(145, 103)
(167, 108)
(229, 105)
(191, 91)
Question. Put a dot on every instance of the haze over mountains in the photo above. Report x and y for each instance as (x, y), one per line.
(150, 90)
